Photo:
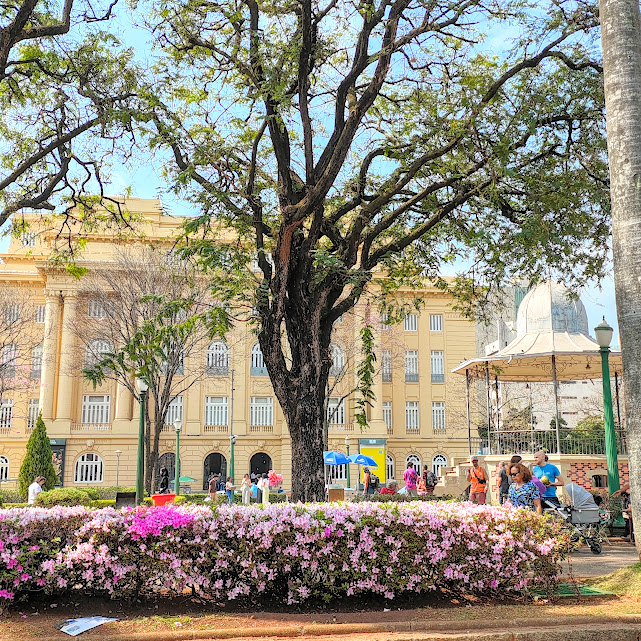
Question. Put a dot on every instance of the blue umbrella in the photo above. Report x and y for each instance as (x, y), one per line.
(335, 458)
(361, 459)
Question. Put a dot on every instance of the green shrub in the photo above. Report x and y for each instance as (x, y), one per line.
(1, 499)
(93, 493)
(63, 496)
(194, 499)
(180, 500)
(38, 460)
(99, 503)
(11, 496)
(110, 492)
(8, 506)
(402, 498)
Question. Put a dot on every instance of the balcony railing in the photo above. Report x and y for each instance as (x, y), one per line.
(411, 377)
(220, 429)
(520, 442)
(265, 429)
(341, 427)
(91, 427)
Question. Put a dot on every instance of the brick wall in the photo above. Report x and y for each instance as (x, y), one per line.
(581, 473)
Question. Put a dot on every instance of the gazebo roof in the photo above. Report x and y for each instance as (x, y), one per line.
(552, 331)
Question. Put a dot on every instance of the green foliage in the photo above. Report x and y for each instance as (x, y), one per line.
(11, 496)
(365, 375)
(37, 461)
(404, 498)
(100, 503)
(63, 496)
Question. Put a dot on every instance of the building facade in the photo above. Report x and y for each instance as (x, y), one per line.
(418, 415)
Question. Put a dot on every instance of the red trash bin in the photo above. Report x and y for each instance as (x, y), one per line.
(162, 499)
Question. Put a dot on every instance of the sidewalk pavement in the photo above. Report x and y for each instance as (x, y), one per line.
(583, 563)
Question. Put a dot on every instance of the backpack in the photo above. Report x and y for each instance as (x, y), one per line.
(430, 479)
(374, 481)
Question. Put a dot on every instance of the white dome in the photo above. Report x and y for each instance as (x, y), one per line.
(549, 308)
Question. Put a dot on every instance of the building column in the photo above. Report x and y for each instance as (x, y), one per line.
(49, 354)
(124, 400)
(68, 364)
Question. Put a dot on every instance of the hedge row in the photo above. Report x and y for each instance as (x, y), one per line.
(290, 553)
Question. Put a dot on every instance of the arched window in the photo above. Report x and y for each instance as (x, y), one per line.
(338, 360)
(96, 350)
(389, 467)
(257, 362)
(89, 469)
(415, 460)
(218, 359)
(215, 463)
(439, 461)
(4, 468)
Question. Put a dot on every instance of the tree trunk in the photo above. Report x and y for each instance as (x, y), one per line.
(621, 38)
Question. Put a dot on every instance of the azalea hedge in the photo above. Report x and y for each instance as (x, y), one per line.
(291, 553)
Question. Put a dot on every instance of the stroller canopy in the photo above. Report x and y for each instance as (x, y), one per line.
(580, 497)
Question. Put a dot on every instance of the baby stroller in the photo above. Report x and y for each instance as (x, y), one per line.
(582, 515)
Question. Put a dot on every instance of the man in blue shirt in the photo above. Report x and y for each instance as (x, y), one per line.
(544, 469)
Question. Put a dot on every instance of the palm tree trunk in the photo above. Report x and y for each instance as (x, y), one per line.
(621, 38)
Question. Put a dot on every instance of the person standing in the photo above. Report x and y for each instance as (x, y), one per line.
(35, 488)
(477, 478)
(368, 488)
(429, 479)
(213, 482)
(163, 484)
(550, 476)
(263, 484)
(245, 490)
(229, 488)
(523, 493)
(410, 477)
(503, 482)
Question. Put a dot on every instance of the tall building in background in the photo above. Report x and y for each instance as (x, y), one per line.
(418, 414)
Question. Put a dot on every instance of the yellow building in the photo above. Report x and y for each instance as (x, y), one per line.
(418, 415)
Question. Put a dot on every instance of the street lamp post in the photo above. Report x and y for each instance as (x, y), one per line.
(118, 453)
(232, 437)
(603, 333)
(140, 466)
(177, 425)
(347, 443)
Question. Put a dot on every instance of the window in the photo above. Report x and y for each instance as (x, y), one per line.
(385, 324)
(436, 322)
(89, 469)
(257, 362)
(96, 309)
(438, 462)
(600, 480)
(438, 416)
(411, 366)
(174, 411)
(216, 410)
(386, 366)
(411, 322)
(336, 413)
(96, 410)
(338, 360)
(218, 359)
(261, 411)
(337, 473)
(36, 361)
(96, 350)
(32, 412)
(39, 316)
(411, 416)
(174, 364)
(6, 413)
(387, 415)
(256, 266)
(389, 466)
(29, 239)
(438, 367)
(11, 314)
(8, 360)
(4, 468)
(415, 460)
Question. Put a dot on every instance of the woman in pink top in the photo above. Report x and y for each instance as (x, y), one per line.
(410, 477)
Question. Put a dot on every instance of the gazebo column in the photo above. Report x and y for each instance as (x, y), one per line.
(467, 405)
(555, 385)
(488, 407)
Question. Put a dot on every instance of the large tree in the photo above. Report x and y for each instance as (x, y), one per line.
(151, 309)
(67, 91)
(349, 140)
(621, 36)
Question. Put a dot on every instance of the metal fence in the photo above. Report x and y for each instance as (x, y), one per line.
(499, 443)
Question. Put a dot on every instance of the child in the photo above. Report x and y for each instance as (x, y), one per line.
(229, 488)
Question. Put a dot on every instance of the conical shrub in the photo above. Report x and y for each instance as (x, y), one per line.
(37, 461)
